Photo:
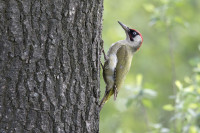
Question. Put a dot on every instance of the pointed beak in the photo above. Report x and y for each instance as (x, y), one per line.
(124, 27)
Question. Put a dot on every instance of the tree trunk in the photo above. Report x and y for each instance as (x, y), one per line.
(50, 65)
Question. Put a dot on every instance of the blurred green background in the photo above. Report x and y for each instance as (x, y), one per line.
(161, 93)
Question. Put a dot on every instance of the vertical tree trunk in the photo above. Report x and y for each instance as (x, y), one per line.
(49, 65)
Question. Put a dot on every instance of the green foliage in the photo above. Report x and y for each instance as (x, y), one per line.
(186, 116)
(162, 90)
(142, 96)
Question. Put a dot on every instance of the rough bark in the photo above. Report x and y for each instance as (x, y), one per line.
(49, 65)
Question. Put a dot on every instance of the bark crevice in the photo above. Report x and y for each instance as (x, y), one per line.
(50, 65)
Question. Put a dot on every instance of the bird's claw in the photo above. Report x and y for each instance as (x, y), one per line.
(102, 50)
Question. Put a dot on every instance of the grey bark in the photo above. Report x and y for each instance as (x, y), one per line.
(50, 65)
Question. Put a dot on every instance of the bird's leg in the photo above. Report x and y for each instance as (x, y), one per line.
(102, 50)
(115, 86)
(105, 57)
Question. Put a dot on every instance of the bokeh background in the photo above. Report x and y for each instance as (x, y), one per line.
(161, 93)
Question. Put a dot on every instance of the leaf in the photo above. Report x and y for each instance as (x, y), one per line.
(157, 125)
(139, 78)
(149, 7)
(193, 106)
(198, 90)
(189, 89)
(164, 130)
(192, 112)
(198, 77)
(147, 103)
(179, 85)
(178, 20)
(149, 93)
(187, 80)
(168, 107)
(193, 129)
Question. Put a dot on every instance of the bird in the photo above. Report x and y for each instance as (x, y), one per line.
(118, 60)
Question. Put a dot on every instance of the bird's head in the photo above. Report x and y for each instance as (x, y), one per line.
(133, 36)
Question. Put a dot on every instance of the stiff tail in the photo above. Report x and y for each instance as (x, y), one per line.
(105, 99)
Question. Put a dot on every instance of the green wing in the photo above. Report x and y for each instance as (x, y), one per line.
(124, 57)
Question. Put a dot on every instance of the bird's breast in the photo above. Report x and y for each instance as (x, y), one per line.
(113, 61)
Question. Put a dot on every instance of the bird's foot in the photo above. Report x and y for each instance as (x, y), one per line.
(102, 50)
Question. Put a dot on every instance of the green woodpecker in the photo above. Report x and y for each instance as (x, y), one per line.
(118, 61)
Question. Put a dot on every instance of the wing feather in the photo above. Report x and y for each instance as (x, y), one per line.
(124, 57)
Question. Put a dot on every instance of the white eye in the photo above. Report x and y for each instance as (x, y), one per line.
(134, 33)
